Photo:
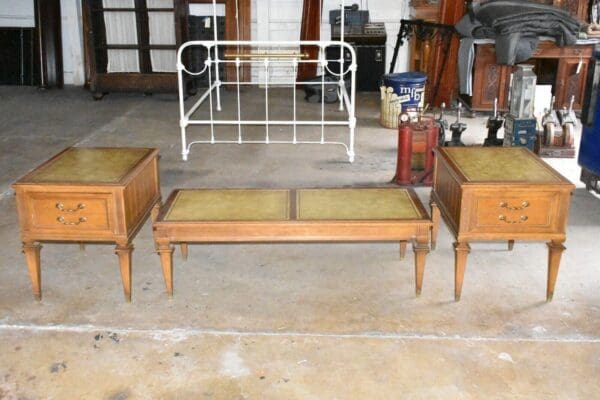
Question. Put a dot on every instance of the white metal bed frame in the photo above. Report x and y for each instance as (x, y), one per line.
(265, 60)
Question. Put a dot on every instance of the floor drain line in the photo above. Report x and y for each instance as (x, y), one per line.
(180, 334)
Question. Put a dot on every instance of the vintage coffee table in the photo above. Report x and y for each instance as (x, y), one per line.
(498, 193)
(88, 195)
(303, 215)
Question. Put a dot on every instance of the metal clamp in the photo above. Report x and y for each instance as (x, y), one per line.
(62, 220)
(523, 206)
(521, 219)
(61, 207)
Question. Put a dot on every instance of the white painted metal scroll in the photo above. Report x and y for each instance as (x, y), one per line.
(267, 58)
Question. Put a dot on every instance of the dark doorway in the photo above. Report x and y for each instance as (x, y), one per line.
(17, 55)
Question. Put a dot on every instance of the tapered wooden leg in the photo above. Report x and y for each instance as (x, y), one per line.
(124, 252)
(81, 246)
(511, 245)
(32, 256)
(435, 219)
(184, 251)
(402, 249)
(555, 250)
(165, 251)
(461, 251)
(421, 250)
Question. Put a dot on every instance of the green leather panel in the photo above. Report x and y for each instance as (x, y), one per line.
(500, 164)
(230, 205)
(355, 204)
(89, 165)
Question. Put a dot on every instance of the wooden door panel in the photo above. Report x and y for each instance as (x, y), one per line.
(570, 81)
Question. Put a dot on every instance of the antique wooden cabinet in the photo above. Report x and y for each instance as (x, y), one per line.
(130, 45)
(500, 193)
(88, 195)
(565, 68)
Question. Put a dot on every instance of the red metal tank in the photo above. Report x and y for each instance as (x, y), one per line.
(416, 140)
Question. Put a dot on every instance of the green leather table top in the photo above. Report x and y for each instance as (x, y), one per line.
(500, 164)
(355, 204)
(90, 165)
(282, 204)
(229, 205)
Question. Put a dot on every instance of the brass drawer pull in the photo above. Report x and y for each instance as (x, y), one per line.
(61, 207)
(62, 220)
(521, 219)
(523, 206)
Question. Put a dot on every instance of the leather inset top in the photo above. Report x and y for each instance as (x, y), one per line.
(366, 204)
(90, 165)
(229, 205)
(501, 164)
(355, 204)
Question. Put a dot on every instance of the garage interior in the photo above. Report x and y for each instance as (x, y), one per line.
(280, 320)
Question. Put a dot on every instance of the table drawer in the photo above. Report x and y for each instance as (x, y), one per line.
(514, 211)
(70, 211)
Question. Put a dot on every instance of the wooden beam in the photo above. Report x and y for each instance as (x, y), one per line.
(445, 64)
(49, 47)
(310, 30)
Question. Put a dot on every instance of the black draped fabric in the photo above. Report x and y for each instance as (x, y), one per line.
(517, 25)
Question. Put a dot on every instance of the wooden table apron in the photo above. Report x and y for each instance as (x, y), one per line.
(488, 211)
(168, 232)
(113, 212)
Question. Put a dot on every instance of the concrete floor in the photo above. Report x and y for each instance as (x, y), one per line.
(308, 321)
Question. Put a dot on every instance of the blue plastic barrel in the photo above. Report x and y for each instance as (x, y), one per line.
(409, 86)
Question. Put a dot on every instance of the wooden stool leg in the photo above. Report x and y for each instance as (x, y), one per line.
(402, 249)
(81, 246)
(165, 251)
(555, 250)
(461, 251)
(511, 245)
(421, 250)
(435, 219)
(184, 251)
(32, 256)
(124, 252)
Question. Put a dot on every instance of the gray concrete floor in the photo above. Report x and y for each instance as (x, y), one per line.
(305, 321)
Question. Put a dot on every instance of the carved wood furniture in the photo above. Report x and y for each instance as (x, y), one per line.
(429, 39)
(302, 215)
(136, 56)
(500, 193)
(566, 74)
(420, 50)
(577, 8)
(88, 195)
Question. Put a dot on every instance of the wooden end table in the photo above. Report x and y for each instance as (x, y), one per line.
(497, 193)
(303, 215)
(88, 195)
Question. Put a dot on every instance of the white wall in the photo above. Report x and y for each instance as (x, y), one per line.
(72, 42)
(20, 13)
(281, 20)
(17, 13)
(271, 20)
